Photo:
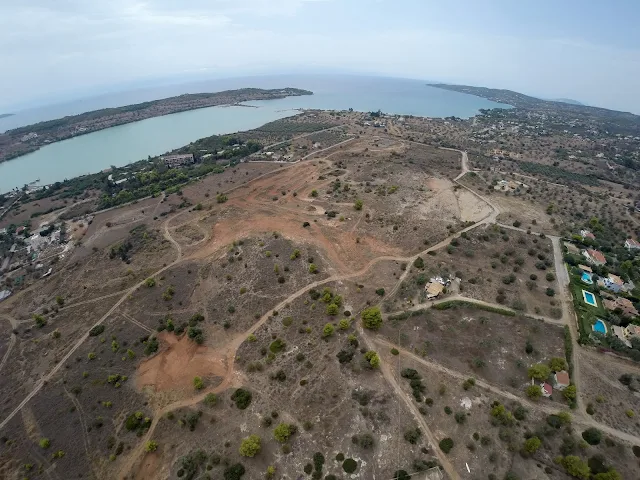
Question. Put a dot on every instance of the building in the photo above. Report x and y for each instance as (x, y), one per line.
(587, 234)
(433, 289)
(561, 380)
(612, 282)
(4, 294)
(623, 304)
(631, 244)
(632, 331)
(585, 268)
(546, 389)
(594, 256)
(173, 161)
(620, 332)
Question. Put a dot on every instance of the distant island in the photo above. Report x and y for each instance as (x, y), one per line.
(20, 141)
(5, 115)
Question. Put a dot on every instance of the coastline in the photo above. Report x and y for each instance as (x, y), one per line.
(69, 127)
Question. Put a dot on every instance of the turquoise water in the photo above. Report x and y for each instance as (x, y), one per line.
(600, 326)
(586, 278)
(589, 298)
(135, 141)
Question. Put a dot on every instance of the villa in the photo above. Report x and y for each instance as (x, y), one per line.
(632, 331)
(620, 332)
(173, 161)
(612, 282)
(594, 256)
(622, 304)
(587, 234)
(561, 380)
(586, 269)
(631, 244)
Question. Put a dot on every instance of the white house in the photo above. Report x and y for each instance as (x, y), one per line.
(631, 244)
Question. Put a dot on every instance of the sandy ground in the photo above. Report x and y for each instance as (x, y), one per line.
(180, 360)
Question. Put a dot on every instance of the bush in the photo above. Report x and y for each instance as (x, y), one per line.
(97, 330)
(198, 384)
(380, 292)
(328, 330)
(151, 446)
(446, 444)
(358, 204)
(592, 436)
(210, 399)
(531, 445)
(372, 318)
(277, 346)
(418, 263)
(395, 351)
(250, 446)
(283, 431)
(349, 465)
(44, 443)
(313, 268)
(413, 435)
(533, 392)
(150, 282)
(234, 472)
(550, 277)
(460, 417)
(242, 398)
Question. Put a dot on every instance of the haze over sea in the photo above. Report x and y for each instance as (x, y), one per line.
(135, 141)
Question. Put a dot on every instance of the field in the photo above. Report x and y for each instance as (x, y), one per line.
(489, 346)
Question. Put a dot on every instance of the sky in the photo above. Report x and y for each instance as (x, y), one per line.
(585, 50)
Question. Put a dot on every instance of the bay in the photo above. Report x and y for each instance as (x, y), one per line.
(135, 141)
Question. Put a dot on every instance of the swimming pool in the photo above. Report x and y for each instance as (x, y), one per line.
(600, 327)
(589, 298)
(586, 278)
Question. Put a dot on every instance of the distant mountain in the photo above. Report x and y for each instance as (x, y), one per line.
(569, 101)
(4, 115)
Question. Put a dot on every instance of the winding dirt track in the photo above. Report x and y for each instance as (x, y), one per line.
(232, 379)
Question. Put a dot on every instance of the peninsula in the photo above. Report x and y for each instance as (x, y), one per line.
(20, 141)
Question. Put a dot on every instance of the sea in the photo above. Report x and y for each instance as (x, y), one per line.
(128, 143)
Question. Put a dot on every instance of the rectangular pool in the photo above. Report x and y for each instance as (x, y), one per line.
(589, 298)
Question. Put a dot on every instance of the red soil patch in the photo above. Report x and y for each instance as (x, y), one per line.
(178, 362)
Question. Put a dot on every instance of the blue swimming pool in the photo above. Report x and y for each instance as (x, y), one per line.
(589, 298)
(600, 327)
(586, 278)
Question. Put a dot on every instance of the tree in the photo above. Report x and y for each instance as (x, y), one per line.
(373, 358)
(344, 324)
(250, 446)
(372, 318)
(283, 431)
(313, 268)
(539, 371)
(557, 364)
(328, 330)
(332, 309)
(446, 444)
(592, 436)
(418, 263)
(533, 392)
(532, 445)
(575, 467)
(570, 393)
(198, 384)
(358, 204)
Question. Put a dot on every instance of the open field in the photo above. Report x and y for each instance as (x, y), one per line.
(488, 345)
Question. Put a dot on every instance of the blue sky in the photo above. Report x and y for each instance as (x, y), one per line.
(586, 50)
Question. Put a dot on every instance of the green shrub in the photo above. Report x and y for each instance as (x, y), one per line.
(349, 465)
(242, 398)
(446, 444)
